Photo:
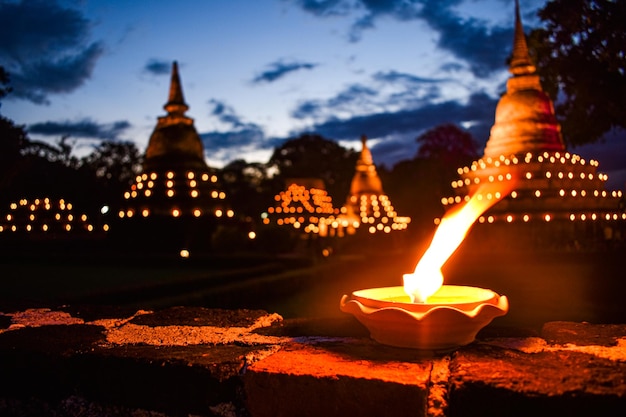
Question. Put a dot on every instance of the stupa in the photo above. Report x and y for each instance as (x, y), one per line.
(558, 199)
(177, 189)
(367, 206)
(304, 205)
(47, 219)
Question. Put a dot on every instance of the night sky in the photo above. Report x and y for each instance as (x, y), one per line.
(255, 73)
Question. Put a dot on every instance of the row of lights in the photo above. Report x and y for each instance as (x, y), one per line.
(221, 195)
(528, 158)
(45, 228)
(171, 174)
(537, 193)
(312, 201)
(146, 183)
(175, 212)
(509, 218)
(40, 210)
(46, 202)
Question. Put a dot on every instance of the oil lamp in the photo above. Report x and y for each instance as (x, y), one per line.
(424, 313)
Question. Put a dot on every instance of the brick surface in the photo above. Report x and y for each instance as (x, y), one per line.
(531, 377)
(344, 378)
(242, 363)
(581, 334)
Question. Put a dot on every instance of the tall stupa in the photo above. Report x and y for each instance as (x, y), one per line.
(558, 199)
(177, 189)
(367, 206)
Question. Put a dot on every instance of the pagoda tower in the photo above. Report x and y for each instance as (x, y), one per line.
(367, 205)
(177, 190)
(558, 199)
(305, 205)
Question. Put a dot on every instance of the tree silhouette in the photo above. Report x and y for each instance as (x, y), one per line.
(449, 144)
(581, 58)
(312, 156)
(247, 187)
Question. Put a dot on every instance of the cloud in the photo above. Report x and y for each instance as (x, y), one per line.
(45, 47)
(85, 128)
(279, 69)
(234, 131)
(484, 47)
(479, 109)
(395, 131)
(386, 92)
(156, 66)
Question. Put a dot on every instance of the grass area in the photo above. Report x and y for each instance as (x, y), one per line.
(541, 287)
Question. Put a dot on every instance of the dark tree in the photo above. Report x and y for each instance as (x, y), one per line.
(4, 82)
(312, 156)
(12, 140)
(115, 165)
(581, 57)
(449, 144)
(114, 161)
(247, 187)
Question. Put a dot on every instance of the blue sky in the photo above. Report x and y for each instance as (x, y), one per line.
(255, 73)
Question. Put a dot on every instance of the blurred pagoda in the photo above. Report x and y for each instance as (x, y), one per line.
(304, 205)
(177, 201)
(48, 219)
(367, 206)
(558, 199)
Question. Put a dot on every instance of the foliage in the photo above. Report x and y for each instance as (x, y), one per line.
(4, 82)
(581, 57)
(312, 156)
(449, 144)
(12, 139)
(248, 187)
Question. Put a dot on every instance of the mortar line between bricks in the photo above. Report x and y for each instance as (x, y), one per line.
(438, 388)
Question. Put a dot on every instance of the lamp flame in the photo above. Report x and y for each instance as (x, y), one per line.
(454, 226)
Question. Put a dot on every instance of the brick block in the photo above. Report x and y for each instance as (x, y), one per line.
(488, 380)
(351, 377)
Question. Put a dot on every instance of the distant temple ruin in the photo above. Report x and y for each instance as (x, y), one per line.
(177, 200)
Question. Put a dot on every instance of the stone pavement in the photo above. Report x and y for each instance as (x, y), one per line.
(97, 361)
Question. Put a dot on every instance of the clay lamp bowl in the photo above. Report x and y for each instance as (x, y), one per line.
(449, 318)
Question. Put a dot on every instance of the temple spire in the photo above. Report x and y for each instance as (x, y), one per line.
(520, 59)
(176, 102)
(365, 180)
(366, 155)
